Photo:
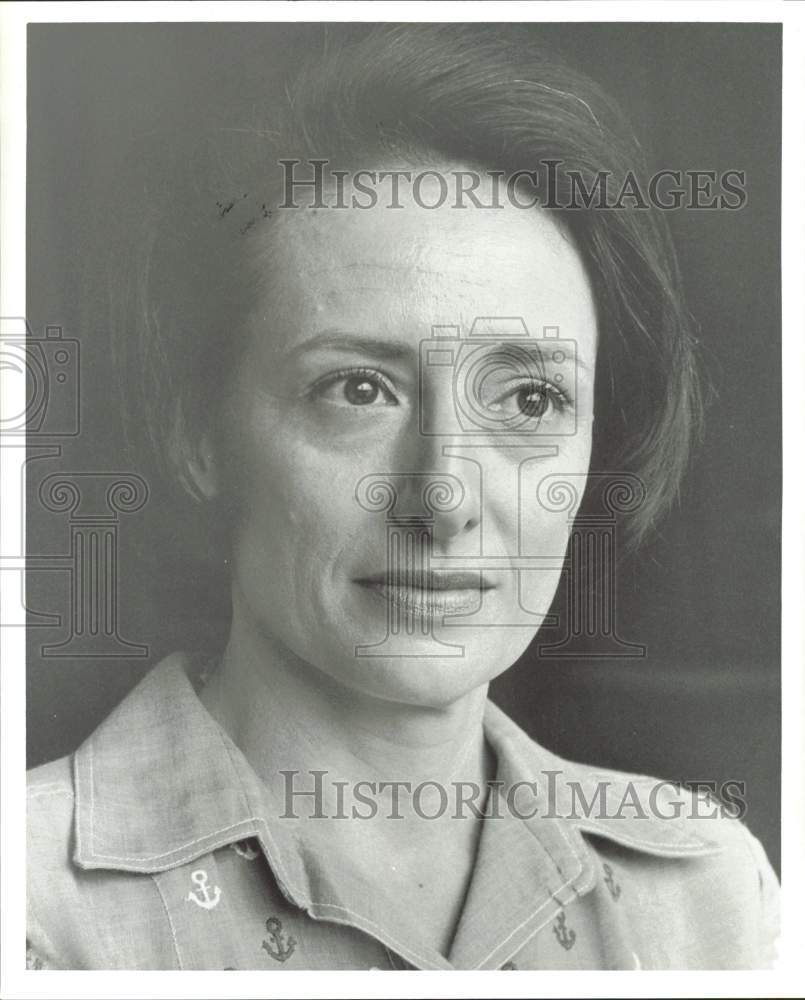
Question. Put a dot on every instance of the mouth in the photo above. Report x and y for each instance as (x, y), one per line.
(429, 594)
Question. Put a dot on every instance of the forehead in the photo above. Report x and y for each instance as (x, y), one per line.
(400, 271)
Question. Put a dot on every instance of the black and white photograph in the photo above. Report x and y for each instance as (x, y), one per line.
(393, 499)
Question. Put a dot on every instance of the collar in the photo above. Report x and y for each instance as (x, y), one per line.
(159, 784)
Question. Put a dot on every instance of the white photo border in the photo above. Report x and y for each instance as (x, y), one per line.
(788, 979)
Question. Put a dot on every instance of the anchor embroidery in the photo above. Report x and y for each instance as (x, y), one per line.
(202, 896)
(611, 884)
(279, 945)
(245, 850)
(565, 935)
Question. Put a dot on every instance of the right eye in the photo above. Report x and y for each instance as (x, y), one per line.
(356, 387)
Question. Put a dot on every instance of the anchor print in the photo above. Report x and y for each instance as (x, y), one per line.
(202, 896)
(245, 850)
(611, 884)
(565, 935)
(279, 945)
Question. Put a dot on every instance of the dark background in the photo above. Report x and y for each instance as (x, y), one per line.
(703, 593)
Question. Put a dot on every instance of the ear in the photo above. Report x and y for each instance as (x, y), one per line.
(203, 470)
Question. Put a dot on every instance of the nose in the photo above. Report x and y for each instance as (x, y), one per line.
(450, 484)
(464, 516)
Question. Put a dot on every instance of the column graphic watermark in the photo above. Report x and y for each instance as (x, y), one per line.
(36, 426)
(479, 424)
(409, 504)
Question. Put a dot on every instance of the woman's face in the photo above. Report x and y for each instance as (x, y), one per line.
(338, 383)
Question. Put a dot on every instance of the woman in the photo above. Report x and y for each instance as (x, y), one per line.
(382, 347)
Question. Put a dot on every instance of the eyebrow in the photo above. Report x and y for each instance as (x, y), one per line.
(545, 347)
(396, 350)
(391, 350)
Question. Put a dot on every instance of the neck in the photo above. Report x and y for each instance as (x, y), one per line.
(286, 714)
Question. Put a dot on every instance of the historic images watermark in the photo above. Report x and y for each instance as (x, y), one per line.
(547, 184)
(316, 794)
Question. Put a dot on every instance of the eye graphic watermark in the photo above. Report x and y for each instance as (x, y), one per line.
(480, 368)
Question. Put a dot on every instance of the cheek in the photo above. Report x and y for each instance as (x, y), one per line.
(531, 497)
(296, 499)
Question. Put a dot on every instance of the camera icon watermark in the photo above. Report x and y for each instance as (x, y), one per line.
(499, 409)
(41, 418)
(498, 352)
(49, 365)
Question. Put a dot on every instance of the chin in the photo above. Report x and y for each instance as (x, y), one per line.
(415, 676)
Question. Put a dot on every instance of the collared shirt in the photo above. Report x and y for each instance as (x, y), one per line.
(156, 846)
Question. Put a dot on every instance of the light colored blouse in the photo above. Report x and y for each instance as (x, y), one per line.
(155, 846)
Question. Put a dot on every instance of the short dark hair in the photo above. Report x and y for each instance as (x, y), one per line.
(470, 94)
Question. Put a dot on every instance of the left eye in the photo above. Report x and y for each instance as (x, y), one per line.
(535, 400)
(364, 388)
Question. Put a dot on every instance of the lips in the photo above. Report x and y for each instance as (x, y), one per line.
(429, 593)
